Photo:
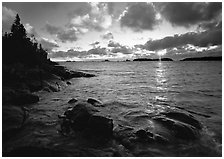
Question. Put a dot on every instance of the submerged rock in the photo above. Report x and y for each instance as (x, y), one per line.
(179, 125)
(185, 118)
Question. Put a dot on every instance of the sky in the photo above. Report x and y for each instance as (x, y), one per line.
(120, 30)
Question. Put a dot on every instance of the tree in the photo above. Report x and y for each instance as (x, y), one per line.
(17, 29)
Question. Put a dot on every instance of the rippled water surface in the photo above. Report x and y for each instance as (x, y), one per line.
(195, 87)
(133, 93)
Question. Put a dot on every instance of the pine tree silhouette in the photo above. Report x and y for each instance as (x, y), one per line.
(18, 47)
(17, 29)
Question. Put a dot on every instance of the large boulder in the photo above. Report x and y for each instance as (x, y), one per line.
(82, 116)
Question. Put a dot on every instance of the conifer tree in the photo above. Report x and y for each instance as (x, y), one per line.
(17, 29)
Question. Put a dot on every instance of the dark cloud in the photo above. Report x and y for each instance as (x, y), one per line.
(118, 48)
(201, 39)
(78, 54)
(83, 9)
(68, 54)
(67, 36)
(107, 36)
(188, 13)
(210, 25)
(51, 29)
(139, 16)
(97, 51)
(64, 35)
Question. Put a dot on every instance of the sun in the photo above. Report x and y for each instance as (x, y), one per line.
(161, 52)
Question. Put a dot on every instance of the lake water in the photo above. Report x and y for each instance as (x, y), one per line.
(194, 87)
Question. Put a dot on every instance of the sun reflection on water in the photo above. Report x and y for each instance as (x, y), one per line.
(161, 81)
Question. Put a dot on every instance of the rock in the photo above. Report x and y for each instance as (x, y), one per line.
(185, 118)
(68, 83)
(100, 126)
(21, 98)
(33, 151)
(160, 139)
(144, 136)
(84, 117)
(76, 74)
(73, 100)
(141, 134)
(178, 129)
(13, 118)
(94, 102)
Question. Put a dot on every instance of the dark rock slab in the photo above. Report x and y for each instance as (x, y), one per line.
(177, 128)
(33, 151)
(94, 102)
(13, 119)
(84, 117)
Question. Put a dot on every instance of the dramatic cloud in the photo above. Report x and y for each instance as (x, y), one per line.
(64, 35)
(107, 36)
(8, 17)
(188, 13)
(95, 18)
(118, 48)
(30, 30)
(70, 54)
(53, 30)
(83, 9)
(201, 39)
(48, 44)
(139, 16)
(97, 51)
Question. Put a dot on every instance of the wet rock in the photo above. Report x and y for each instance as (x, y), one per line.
(13, 118)
(73, 100)
(160, 139)
(75, 74)
(33, 151)
(178, 129)
(144, 136)
(94, 102)
(141, 134)
(68, 83)
(185, 118)
(100, 126)
(84, 117)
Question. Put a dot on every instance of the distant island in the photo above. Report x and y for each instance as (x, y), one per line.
(208, 58)
(147, 59)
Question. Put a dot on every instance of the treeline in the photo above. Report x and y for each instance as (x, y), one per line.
(17, 47)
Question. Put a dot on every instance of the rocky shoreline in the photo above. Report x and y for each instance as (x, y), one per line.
(22, 87)
(78, 127)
